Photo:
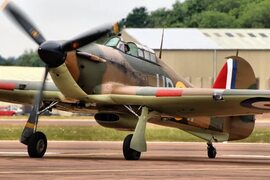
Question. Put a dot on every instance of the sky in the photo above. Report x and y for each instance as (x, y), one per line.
(64, 19)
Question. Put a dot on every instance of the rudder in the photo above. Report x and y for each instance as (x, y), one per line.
(236, 73)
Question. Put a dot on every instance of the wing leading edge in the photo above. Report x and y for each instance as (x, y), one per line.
(23, 92)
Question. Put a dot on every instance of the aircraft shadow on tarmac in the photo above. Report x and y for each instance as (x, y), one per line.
(204, 160)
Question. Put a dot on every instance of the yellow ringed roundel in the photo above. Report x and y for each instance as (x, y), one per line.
(179, 84)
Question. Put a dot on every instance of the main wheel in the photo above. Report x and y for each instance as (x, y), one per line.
(37, 145)
(130, 154)
(211, 151)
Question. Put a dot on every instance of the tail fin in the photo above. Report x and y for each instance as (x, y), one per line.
(236, 74)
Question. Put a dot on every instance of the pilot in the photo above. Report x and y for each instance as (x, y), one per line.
(126, 48)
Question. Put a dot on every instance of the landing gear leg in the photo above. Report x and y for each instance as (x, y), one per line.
(36, 141)
(135, 144)
(211, 150)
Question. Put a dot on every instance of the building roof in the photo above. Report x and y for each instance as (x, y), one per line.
(206, 39)
(22, 73)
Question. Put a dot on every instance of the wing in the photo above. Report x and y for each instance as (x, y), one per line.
(190, 102)
(23, 92)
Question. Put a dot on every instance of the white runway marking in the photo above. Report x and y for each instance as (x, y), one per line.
(246, 156)
(12, 153)
(20, 153)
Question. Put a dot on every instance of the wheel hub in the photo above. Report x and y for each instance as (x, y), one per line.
(40, 145)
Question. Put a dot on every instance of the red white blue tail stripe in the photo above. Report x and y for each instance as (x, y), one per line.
(227, 76)
(231, 74)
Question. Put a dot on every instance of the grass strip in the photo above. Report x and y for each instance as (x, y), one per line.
(97, 133)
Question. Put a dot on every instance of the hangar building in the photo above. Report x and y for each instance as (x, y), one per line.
(199, 54)
(196, 54)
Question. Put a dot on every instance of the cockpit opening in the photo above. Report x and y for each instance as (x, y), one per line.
(132, 49)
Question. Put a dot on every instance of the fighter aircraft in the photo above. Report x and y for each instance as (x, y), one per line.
(127, 85)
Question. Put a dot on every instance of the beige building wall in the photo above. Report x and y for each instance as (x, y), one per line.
(22, 73)
(201, 67)
(196, 66)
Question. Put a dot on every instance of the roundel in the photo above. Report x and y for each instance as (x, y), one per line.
(179, 84)
(257, 103)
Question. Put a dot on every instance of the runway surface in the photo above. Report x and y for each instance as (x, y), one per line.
(103, 160)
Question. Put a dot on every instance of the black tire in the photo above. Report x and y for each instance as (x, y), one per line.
(37, 145)
(130, 154)
(212, 152)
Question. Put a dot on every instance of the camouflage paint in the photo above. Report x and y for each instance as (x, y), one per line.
(121, 73)
(89, 85)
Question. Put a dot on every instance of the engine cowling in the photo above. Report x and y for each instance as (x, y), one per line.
(116, 120)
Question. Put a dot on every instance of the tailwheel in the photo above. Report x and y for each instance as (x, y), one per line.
(37, 145)
(130, 154)
(211, 151)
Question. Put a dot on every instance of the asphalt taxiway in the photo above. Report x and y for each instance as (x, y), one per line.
(164, 160)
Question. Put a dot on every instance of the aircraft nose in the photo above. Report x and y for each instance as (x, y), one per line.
(51, 53)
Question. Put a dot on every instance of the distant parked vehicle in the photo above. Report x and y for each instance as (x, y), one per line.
(10, 110)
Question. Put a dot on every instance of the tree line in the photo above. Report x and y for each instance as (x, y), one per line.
(204, 14)
(28, 58)
(189, 13)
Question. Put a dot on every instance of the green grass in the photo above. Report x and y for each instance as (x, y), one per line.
(259, 135)
(97, 133)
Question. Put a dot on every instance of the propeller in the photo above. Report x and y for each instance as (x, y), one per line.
(52, 53)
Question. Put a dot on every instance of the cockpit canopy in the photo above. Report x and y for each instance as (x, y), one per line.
(132, 49)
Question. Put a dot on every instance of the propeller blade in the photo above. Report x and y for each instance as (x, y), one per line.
(39, 96)
(24, 22)
(87, 38)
